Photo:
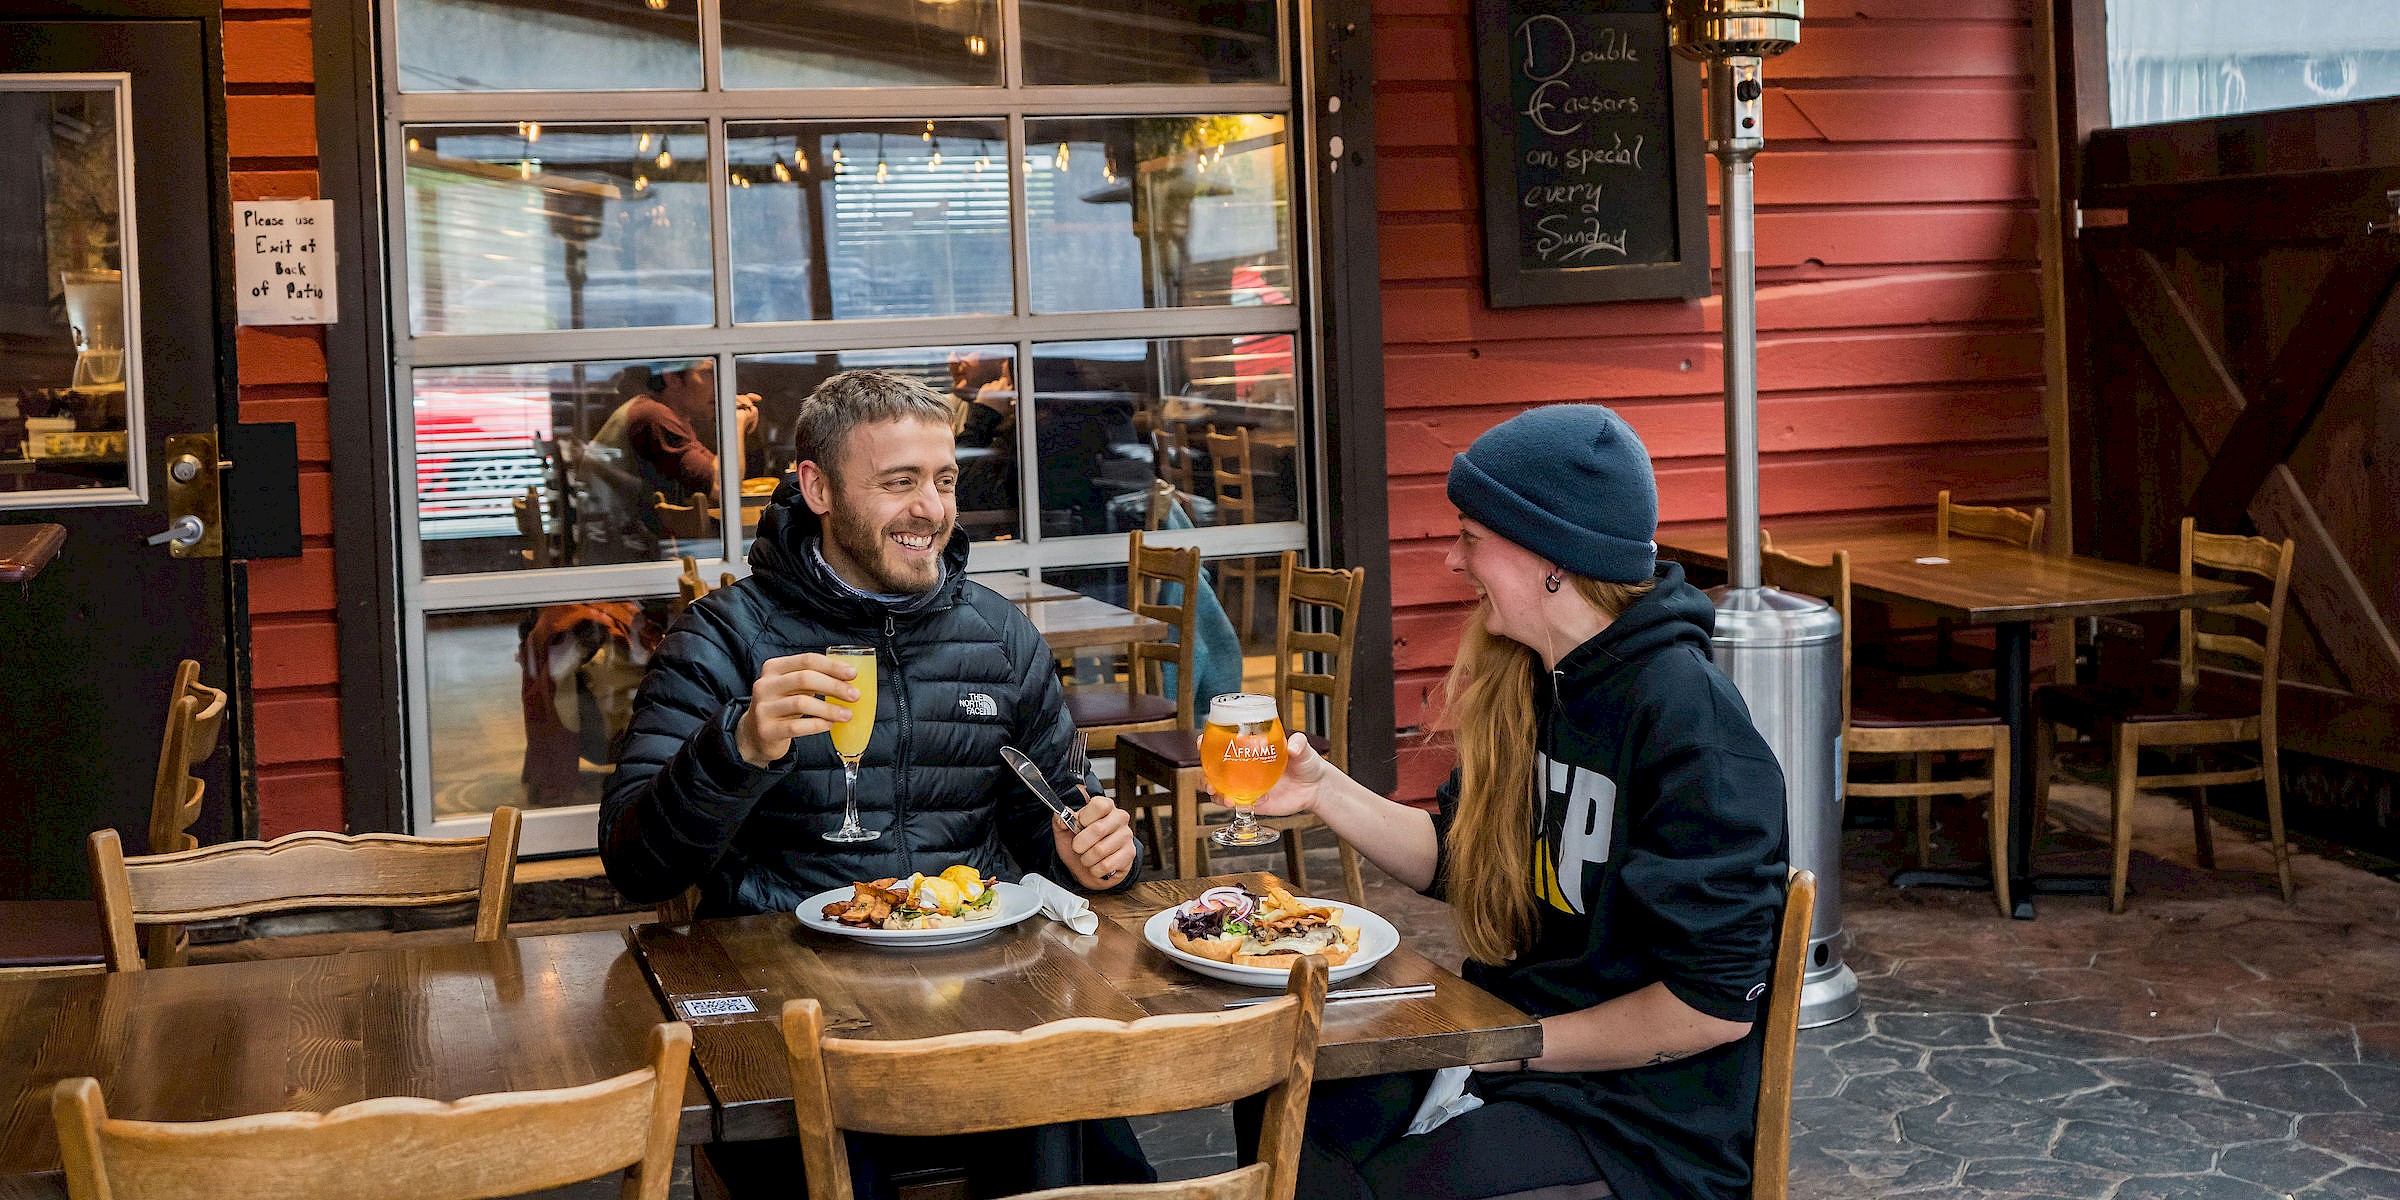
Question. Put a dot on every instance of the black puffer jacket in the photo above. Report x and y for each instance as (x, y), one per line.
(961, 673)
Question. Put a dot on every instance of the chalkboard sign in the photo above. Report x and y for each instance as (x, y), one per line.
(1591, 154)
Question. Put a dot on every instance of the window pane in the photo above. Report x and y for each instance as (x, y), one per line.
(980, 379)
(913, 216)
(526, 227)
(2173, 60)
(861, 43)
(562, 464)
(1158, 212)
(538, 734)
(1210, 418)
(1150, 41)
(544, 46)
(63, 295)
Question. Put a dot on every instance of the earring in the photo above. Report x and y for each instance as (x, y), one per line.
(1551, 581)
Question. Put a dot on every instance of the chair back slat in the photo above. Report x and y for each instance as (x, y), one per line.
(2240, 555)
(300, 870)
(1828, 581)
(195, 718)
(1315, 641)
(1149, 569)
(1077, 1069)
(1771, 1152)
(390, 1148)
(1991, 523)
(1229, 470)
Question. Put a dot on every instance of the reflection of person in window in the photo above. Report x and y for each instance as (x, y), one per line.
(983, 391)
(656, 442)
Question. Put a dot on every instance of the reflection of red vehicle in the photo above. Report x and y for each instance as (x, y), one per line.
(479, 446)
(1262, 366)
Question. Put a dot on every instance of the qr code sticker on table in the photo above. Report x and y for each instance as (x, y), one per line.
(721, 1008)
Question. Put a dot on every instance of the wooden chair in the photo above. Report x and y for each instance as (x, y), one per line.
(1074, 1070)
(1892, 721)
(1171, 455)
(300, 870)
(1941, 653)
(1104, 713)
(1164, 499)
(684, 522)
(534, 530)
(390, 1148)
(1237, 504)
(2190, 713)
(1771, 1144)
(1168, 761)
(63, 937)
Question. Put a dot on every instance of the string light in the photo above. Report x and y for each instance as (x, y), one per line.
(641, 182)
(414, 146)
(935, 163)
(666, 157)
(799, 159)
(880, 172)
(1060, 160)
(643, 146)
(531, 131)
(656, 5)
(782, 173)
(976, 45)
(929, 133)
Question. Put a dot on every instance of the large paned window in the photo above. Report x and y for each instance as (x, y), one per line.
(2177, 60)
(628, 239)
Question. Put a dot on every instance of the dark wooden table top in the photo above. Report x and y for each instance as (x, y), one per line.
(1029, 974)
(1979, 582)
(311, 1034)
(26, 549)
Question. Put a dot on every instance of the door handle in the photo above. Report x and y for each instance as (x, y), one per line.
(183, 531)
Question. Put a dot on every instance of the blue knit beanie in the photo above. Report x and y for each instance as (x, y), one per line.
(1570, 482)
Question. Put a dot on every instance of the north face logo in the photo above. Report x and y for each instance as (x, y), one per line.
(976, 704)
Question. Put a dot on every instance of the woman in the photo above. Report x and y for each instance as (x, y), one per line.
(1612, 843)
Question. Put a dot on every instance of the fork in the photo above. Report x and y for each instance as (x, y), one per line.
(1079, 763)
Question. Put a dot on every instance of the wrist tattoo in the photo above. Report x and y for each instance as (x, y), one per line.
(1665, 1056)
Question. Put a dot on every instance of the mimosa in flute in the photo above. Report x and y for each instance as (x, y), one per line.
(850, 739)
(1241, 752)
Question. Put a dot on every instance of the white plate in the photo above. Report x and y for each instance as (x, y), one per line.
(1376, 938)
(1014, 901)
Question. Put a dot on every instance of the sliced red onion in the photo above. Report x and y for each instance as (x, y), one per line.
(1234, 900)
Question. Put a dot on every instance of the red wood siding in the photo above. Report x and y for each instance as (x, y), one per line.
(1899, 309)
(271, 131)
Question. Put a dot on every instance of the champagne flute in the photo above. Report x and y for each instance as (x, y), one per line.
(850, 739)
(1241, 753)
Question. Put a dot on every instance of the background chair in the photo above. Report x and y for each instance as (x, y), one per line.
(391, 1148)
(1074, 1070)
(1104, 713)
(1316, 632)
(63, 937)
(685, 522)
(300, 870)
(1886, 721)
(533, 528)
(1230, 470)
(2191, 714)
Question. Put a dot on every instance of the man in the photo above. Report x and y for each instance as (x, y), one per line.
(653, 445)
(723, 782)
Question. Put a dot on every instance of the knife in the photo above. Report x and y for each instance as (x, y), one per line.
(1334, 997)
(1032, 776)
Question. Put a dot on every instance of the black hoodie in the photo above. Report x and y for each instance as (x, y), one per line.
(1662, 836)
(960, 671)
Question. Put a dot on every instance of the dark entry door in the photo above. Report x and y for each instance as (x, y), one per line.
(110, 345)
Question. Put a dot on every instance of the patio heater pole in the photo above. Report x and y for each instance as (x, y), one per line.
(1783, 651)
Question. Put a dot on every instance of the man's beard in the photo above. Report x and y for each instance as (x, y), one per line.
(870, 547)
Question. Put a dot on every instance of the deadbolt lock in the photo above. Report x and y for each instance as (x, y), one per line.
(192, 467)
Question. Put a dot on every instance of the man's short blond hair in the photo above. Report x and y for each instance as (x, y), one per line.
(855, 398)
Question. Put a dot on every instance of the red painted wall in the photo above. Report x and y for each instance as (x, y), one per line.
(1899, 313)
(271, 130)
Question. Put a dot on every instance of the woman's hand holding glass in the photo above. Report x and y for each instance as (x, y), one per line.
(796, 696)
(1305, 775)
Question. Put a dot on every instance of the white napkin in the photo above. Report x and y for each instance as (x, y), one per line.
(1063, 906)
(1447, 1098)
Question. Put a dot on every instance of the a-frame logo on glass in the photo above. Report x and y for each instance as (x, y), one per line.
(1579, 813)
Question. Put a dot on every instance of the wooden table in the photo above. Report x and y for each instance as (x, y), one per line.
(1979, 583)
(1071, 625)
(312, 1034)
(26, 549)
(1023, 976)
(1024, 589)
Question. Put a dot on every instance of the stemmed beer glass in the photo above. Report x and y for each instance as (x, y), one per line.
(1241, 753)
(850, 739)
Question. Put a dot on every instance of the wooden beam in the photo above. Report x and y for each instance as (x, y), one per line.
(2339, 318)
(2171, 335)
(2346, 618)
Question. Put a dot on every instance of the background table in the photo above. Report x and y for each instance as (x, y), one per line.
(312, 1034)
(1024, 589)
(1029, 974)
(1071, 625)
(1979, 583)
